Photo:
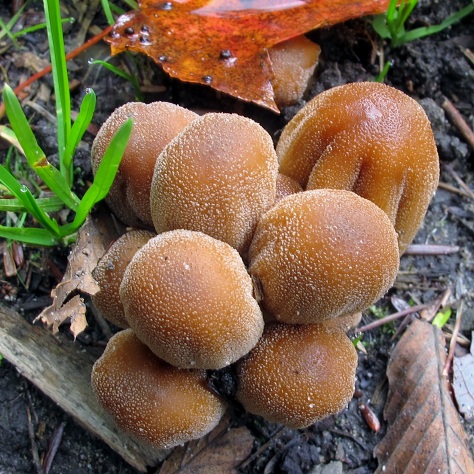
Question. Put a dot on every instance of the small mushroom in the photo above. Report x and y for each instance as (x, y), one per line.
(369, 138)
(150, 399)
(297, 374)
(218, 177)
(154, 125)
(345, 323)
(293, 63)
(109, 273)
(189, 298)
(286, 186)
(322, 254)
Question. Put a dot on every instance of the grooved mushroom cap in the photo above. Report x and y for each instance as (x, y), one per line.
(293, 63)
(154, 125)
(109, 273)
(189, 298)
(217, 177)
(297, 375)
(286, 186)
(322, 254)
(150, 399)
(369, 138)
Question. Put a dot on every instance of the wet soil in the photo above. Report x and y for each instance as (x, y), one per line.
(429, 70)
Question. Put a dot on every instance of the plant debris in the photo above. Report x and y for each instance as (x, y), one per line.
(224, 44)
(424, 431)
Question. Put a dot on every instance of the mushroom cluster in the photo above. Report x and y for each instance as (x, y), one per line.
(260, 259)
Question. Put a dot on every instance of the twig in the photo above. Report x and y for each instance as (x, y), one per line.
(452, 344)
(53, 447)
(461, 183)
(452, 189)
(262, 448)
(347, 435)
(430, 312)
(48, 69)
(458, 121)
(420, 249)
(34, 447)
(392, 317)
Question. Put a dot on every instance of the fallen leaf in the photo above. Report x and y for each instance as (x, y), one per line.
(463, 382)
(93, 239)
(224, 43)
(219, 452)
(425, 434)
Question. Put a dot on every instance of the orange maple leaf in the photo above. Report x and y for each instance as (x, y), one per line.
(224, 43)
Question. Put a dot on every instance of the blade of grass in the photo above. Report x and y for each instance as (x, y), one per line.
(39, 26)
(107, 12)
(9, 135)
(125, 75)
(34, 154)
(430, 30)
(104, 176)
(84, 118)
(30, 235)
(60, 79)
(11, 23)
(8, 33)
(50, 204)
(23, 194)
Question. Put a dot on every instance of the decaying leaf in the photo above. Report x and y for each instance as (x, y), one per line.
(463, 382)
(94, 238)
(224, 43)
(424, 434)
(219, 452)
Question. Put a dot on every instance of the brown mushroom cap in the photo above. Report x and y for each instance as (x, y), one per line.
(345, 323)
(293, 63)
(218, 177)
(154, 126)
(369, 138)
(297, 375)
(189, 298)
(150, 399)
(109, 273)
(286, 186)
(322, 254)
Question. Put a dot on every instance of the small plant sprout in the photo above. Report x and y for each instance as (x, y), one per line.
(58, 180)
(391, 24)
(442, 317)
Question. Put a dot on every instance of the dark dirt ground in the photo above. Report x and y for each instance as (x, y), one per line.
(428, 70)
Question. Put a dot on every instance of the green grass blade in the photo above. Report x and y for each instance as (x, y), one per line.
(34, 154)
(23, 194)
(83, 120)
(11, 23)
(39, 26)
(6, 30)
(20, 125)
(104, 176)
(50, 204)
(379, 24)
(27, 235)
(430, 30)
(125, 75)
(107, 12)
(60, 79)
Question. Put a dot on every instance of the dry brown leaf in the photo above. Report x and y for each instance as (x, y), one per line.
(224, 43)
(219, 452)
(463, 382)
(93, 239)
(425, 434)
